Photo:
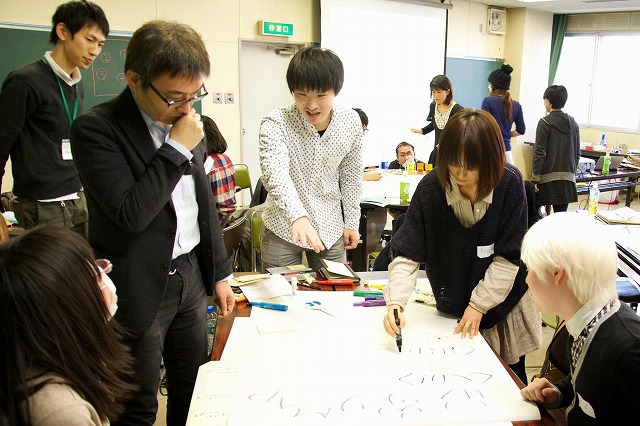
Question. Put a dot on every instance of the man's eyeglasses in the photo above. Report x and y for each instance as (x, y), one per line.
(175, 104)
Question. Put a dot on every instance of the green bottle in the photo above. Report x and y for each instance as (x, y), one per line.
(605, 164)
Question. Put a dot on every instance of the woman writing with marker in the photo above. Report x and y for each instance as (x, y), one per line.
(466, 222)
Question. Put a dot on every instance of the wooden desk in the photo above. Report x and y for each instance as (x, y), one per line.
(243, 310)
(628, 181)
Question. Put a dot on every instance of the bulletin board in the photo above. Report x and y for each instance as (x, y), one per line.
(469, 79)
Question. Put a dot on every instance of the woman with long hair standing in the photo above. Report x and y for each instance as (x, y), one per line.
(503, 107)
(441, 109)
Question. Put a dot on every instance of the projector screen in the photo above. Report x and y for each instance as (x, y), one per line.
(390, 50)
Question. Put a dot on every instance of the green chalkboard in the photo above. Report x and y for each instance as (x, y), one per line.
(469, 79)
(105, 78)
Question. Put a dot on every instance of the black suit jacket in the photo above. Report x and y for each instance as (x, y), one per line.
(132, 221)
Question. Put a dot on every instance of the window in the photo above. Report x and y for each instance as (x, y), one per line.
(600, 73)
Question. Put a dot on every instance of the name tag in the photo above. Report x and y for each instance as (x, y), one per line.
(66, 150)
(485, 251)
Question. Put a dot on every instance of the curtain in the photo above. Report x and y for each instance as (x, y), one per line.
(557, 38)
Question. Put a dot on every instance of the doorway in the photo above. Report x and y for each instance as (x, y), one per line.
(263, 88)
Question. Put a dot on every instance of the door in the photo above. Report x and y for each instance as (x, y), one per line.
(263, 88)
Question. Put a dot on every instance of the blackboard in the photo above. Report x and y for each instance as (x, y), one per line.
(105, 78)
(469, 79)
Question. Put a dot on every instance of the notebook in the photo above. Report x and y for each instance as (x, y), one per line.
(337, 270)
(615, 162)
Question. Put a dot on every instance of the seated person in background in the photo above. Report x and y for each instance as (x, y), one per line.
(403, 151)
(370, 172)
(219, 169)
(61, 358)
(578, 283)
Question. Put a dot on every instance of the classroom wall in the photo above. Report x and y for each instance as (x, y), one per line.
(224, 23)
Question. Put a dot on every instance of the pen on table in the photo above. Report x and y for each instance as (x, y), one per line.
(305, 284)
(266, 305)
(363, 293)
(399, 335)
(381, 302)
(377, 286)
(335, 282)
(374, 297)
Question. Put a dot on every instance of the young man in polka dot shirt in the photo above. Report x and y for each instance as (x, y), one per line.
(311, 160)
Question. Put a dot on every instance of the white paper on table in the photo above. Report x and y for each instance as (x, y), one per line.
(272, 286)
(213, 393)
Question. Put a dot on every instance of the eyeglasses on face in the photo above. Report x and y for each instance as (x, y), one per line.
(105, 265)
(175, 104)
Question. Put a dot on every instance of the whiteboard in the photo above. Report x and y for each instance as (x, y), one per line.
(346, 370)
(390, 50)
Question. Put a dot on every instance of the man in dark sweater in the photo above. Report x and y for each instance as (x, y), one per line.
(577, 282)
(38, 103)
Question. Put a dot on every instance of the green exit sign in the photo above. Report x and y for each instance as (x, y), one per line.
(276, 28)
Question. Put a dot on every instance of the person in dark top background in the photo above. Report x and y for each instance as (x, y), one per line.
(38, 103)
(403, 151)
(556, 154)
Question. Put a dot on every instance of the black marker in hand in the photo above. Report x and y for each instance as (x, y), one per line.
(399, 335)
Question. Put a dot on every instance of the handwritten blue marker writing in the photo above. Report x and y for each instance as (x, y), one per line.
(266, 305)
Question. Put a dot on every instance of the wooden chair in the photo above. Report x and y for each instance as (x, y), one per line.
(243, 180)
(232, 235)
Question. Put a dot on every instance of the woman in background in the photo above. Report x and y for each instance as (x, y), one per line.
(220, 170)
(466, 222)
(61, 358)
(440, 111)
(504, 109)
(556, 154)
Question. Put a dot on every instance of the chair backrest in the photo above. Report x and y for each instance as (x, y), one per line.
(556, 355)
(256, 227)
(232, 235)
(243, 179)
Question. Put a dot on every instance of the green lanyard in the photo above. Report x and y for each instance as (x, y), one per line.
(64, 98)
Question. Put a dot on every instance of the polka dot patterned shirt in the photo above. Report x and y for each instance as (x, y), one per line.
(310, 175)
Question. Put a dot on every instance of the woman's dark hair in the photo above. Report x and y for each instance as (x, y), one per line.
(216, 143)
(75, 15)
(557, 96)
(54, 320)
(317, 69)
(441, 82)
(473, 137)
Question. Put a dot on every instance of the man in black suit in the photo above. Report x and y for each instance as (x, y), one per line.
(140, 158)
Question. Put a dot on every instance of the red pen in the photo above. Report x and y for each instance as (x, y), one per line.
(335, 282)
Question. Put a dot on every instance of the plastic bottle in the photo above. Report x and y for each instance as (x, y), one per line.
(606, 161)
(603, 144)
(594, 197)
(212, 319)
(411, 165)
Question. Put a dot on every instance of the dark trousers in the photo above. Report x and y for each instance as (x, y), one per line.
(177, 336)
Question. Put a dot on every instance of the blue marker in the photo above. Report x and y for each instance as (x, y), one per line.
(266, 305)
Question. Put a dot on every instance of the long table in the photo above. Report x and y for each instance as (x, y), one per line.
(242, 310)
(623, 179)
